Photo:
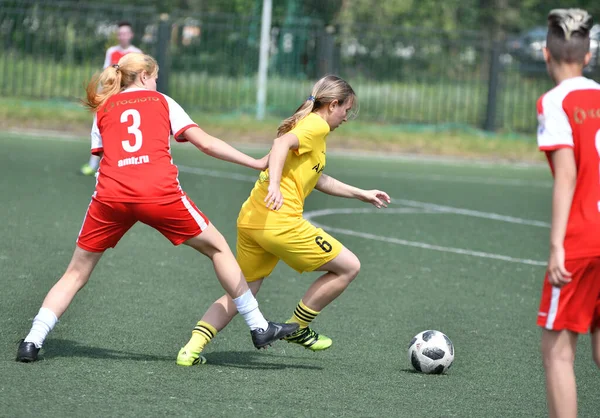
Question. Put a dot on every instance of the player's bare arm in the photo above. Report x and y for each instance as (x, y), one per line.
(334, 187)
(277, 157)
(565, 178)
(219, 149)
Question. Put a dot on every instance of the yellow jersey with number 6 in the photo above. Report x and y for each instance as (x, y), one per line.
(300, 174)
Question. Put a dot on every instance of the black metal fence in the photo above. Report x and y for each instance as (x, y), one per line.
(210, 62)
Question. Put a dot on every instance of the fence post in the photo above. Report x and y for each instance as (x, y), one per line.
(162, 53)
(263, 60)
(493, 85)
(325, 52)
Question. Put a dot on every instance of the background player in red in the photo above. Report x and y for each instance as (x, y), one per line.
(569, 133)
(112, 57)
(137, 181)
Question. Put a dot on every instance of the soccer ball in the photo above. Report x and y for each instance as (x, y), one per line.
(431, 352)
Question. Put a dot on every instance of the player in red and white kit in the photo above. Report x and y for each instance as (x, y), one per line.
(569, 134)
(137, 182)
(112, 57)
(115, 53)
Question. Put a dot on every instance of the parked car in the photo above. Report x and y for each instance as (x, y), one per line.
(526, 49)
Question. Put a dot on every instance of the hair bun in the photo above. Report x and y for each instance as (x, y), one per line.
(571, 21)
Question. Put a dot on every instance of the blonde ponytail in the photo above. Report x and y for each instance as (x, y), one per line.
(325, 91)
(303, 111)
(101, 87)
(117, 78)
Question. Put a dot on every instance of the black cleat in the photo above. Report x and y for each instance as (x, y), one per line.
(262, 338)
(27, 352)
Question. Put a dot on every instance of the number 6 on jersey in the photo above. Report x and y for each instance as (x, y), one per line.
(133, 128)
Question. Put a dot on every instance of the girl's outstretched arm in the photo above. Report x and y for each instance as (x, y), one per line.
(333, 187)
(223, 151)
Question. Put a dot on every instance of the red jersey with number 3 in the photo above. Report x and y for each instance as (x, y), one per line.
(569, 117)
(133, 131)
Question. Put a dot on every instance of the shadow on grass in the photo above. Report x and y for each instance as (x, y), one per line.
(410, 371)
(59, 348)
(254, 360)
(413, 371)
(56, 348)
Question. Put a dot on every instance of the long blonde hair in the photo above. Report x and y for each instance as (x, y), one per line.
(117, 78)
(325, 91)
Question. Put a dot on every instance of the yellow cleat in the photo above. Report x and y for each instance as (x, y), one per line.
(186, 357)
(310, 340)
(87, 170)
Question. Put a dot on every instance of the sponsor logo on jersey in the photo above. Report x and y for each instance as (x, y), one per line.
(318, 168)
(581, 115)
(115, 103)
(142, 159)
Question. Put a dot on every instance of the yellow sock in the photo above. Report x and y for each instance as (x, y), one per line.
(201, 335)
(303, 315)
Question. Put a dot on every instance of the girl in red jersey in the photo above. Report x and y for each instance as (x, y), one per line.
(137, 181)
(569, 133)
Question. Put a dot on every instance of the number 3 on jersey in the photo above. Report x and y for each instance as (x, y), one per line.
(133, 128)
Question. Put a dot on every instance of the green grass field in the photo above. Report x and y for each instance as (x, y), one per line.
(461, 251)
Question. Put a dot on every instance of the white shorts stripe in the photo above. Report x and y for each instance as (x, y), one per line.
(84, 218)
(197, 217)
(553, 308)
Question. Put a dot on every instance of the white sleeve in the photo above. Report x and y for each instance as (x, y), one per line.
(97, 146)
(554, 128)
(179, 119)
(107, 57)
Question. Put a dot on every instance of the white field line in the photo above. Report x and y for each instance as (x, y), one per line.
(457, 179)
(431, 207)
(472, 213)
(493, 181)
(351, 211)
(436, 159)
(425, 208)
(325, 212)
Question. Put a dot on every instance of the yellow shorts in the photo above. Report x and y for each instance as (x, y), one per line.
(303, 247)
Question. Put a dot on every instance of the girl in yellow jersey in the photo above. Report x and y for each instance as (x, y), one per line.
(271, 226)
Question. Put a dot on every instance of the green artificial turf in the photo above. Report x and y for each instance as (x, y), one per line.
(113, 352)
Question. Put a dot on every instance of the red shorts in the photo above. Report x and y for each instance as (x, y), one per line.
(106, 222)
(575, 306)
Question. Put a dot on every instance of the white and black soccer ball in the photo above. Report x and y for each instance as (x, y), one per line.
(431, 352)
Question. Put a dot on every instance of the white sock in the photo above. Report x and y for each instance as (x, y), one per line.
(94, 162)
(42, 325)
(247, 306)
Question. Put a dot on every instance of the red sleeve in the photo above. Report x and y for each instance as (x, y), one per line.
(554, 147)
(179, 134)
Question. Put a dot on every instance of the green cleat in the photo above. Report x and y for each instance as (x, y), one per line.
(310, 339)
(87, 170)
(187, 357)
